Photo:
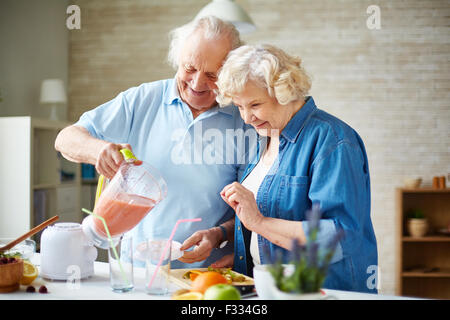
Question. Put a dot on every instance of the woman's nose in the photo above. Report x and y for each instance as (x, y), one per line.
(248, 117)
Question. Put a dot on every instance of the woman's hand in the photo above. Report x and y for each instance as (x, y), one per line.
(204, 240)
(109, 159)
(243, 203)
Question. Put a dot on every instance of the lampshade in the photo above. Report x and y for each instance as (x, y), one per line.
(230, 11)
(52, 92)
(53, 95)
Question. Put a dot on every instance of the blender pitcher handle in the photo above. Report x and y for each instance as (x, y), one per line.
(100, 183)
(127, 155)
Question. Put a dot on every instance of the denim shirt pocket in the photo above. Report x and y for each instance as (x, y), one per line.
(292, 197)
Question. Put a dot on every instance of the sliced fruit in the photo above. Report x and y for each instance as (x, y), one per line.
(30, 272)
(192, 274)
(229, 274)
(206, 280)
(188, 296)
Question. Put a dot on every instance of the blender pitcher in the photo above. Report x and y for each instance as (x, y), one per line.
(130, 195)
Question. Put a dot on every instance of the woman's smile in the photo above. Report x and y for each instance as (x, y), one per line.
(260, 126)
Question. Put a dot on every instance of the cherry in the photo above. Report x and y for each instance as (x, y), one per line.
(31, 289)
(43, 289)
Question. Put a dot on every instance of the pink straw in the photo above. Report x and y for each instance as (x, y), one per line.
(167, 245)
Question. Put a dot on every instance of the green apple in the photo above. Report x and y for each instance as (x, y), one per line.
(222, 292)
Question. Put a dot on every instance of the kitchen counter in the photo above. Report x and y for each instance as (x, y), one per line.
(97, 287)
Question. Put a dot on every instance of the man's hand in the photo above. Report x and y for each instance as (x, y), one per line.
(109, 159)
(77, 145)
(205, 241)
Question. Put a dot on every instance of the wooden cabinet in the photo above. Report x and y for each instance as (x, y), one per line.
(424, 262)
(36, 182)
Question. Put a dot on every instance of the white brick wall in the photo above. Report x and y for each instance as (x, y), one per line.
(391, 85)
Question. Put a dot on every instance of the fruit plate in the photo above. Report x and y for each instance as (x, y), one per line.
(176, 276)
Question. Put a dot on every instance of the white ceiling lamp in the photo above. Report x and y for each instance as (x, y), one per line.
(230, 11)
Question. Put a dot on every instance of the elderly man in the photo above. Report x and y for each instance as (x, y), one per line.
(176, 126)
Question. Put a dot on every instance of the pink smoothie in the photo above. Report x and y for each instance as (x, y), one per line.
(122, 213)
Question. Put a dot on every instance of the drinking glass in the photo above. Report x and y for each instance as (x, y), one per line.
(158, 283)
(120, 257)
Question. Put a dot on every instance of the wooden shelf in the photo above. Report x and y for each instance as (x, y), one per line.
(424, 190)
(423, 268)
(442, 273)
(434, 238)
(48, 124)
(55, 185)
(89, 181)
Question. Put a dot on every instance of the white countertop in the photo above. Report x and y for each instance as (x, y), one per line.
(97, 287)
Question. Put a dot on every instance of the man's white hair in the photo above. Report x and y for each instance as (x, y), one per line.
(212, 27)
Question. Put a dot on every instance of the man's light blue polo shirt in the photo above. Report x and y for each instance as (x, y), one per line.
(196, 157)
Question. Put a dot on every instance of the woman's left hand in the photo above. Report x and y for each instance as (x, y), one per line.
(243, 203)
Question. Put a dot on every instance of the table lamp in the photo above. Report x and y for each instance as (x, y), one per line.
(230, 11)
(54, 95)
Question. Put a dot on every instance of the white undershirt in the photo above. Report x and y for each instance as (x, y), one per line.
(253, 182)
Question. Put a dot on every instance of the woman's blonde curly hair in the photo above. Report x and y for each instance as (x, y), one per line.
(267, 66)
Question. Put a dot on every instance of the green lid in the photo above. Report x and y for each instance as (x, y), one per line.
(127, 154)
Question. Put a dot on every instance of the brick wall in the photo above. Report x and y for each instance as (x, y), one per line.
(391, 85)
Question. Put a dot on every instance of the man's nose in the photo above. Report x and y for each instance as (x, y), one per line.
(198, 81)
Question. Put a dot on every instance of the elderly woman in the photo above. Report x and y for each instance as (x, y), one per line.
(305, 156)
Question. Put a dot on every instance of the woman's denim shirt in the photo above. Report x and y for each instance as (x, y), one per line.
(321, 159)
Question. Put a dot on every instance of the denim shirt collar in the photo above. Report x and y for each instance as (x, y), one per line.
(296, 124)
(173, 94)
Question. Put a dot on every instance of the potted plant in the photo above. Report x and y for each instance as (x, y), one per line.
(304, 276)
(417, 224)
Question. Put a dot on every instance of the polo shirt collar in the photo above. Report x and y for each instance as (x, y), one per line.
(293, 128)
(172, 93)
